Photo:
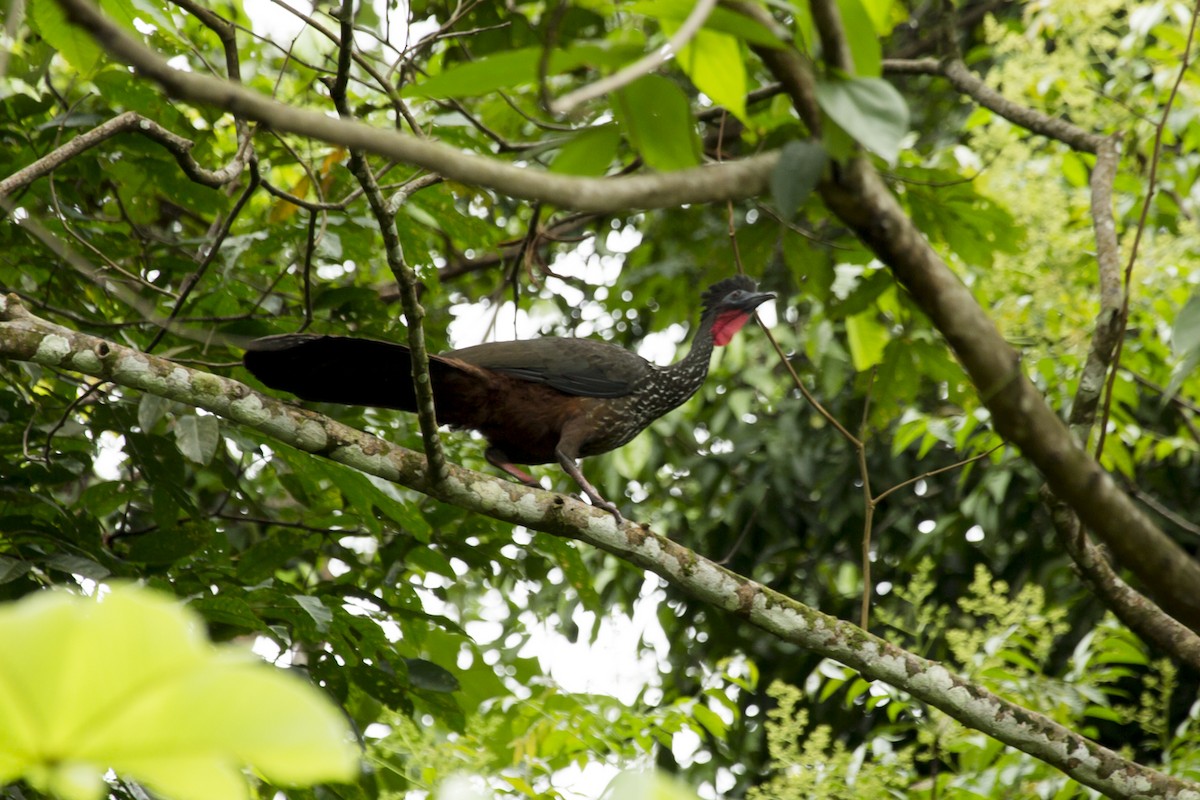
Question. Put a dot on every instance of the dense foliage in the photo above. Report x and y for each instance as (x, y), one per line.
(428, 624)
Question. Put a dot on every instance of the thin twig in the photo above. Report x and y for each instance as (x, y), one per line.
(394, 253)
(1141, 226)
(965, 81)
(643, 66)
(128, 122)
(864, 473)
(214, 248)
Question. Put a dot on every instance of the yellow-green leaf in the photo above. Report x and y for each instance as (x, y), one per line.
(867, 339)
(130, 683)
(713, 62)
(589, 153)
(73, 42)
(658, 122)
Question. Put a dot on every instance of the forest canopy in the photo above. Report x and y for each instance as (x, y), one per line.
(927, 530)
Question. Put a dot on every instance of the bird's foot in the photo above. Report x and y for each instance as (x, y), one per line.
(600, 502)
(568, 463)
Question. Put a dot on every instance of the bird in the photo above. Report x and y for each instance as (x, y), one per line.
(536, 401)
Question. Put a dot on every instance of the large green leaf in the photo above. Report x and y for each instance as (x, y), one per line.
(868, 338)
(197, 437)
(656, 117)
(589, 153)
(870, 110)
(798, 172)
(73, 42)
(860, 35)
(714, 63)
(720, 19)
(130, 683)
(516, 68)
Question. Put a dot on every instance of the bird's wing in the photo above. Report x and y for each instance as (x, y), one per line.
(582, 367)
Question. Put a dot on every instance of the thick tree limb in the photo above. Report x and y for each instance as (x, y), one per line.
(1142, 616)
(1136, 611)
(731, 180)
(24, 337)
(859, 197)
(1019, 412)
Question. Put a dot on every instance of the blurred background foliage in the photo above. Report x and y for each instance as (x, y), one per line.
(429, 625)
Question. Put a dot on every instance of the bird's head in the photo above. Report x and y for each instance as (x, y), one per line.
(730, 302)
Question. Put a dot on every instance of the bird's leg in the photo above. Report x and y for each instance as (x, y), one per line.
(497, 459)
(567, 461)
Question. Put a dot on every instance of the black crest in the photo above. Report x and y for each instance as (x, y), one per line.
(713, 296)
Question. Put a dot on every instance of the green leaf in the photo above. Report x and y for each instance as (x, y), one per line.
(658, 122)
(516, 68)
(151, 409)
(130, 683)
(880, 12)
(427, 675)
(714, 64)
(1185, 336)
(197, 437)
(868, 338)
(647, 785)
(674, 12)
(228, 610)
(384, 686)
(589, 153)
(860, 35)
(801, 164)
(711, 721)
(313, 606)
(498, 71)
(49, 20)
(870, 110)
(11, 568)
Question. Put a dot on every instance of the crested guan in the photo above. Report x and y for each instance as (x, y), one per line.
(535, 401)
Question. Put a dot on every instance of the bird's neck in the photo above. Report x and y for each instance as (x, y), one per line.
(682, 379)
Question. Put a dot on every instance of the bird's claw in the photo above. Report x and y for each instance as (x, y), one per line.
(612, 509)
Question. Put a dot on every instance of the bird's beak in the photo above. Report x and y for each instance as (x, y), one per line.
(754, 300)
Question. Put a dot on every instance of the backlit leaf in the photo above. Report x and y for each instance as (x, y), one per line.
(71, 41)
(657, 119)
(713, 62)
(589, 153)
(867, 339)
(130, 683)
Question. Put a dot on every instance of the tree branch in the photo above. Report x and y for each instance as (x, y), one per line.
(1142, 616)
(1019, 412)
(25, 337)
(965, 81)
(406, 279)
(128, 122)
(643, 66)
(731, 180)
(858, 196)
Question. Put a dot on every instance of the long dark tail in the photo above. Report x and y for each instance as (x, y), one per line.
(335, 369)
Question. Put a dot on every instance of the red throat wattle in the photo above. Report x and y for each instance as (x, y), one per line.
(728, 323)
